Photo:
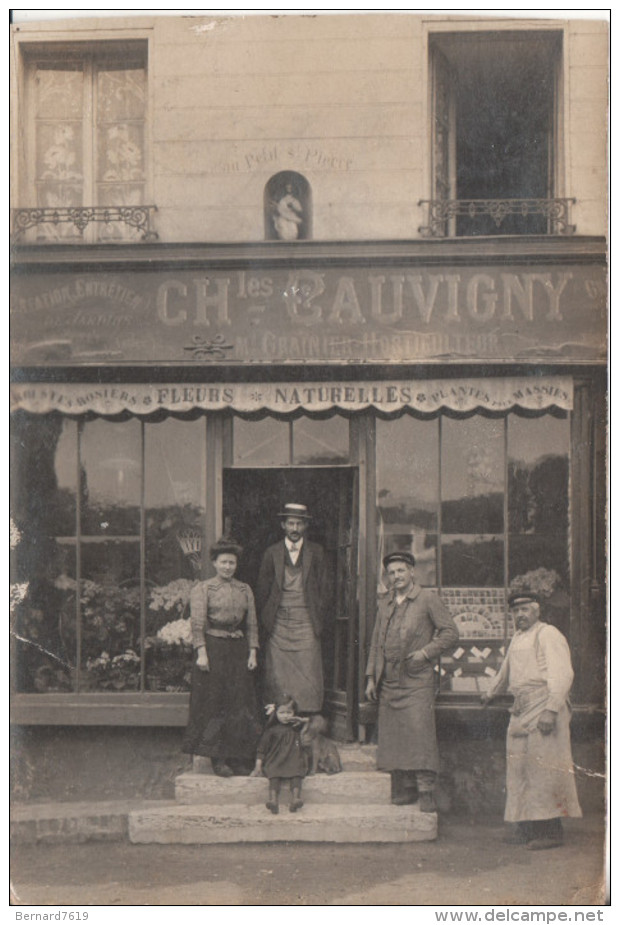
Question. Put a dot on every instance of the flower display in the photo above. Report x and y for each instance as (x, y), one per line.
(177, 632)
(121, 672)
(173, 596)
(110, 638)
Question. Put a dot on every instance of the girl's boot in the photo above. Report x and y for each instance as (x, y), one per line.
(296, 801)
(272, 803)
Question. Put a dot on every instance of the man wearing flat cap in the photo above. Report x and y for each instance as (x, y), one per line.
(291, 594)
(412, 628)
(540, 781)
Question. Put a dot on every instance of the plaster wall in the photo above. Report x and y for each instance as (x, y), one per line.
(341, 99)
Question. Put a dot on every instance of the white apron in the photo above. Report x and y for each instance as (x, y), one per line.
(540, 779)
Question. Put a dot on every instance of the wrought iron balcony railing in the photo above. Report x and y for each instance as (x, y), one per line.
(136, 217)
(441, 213)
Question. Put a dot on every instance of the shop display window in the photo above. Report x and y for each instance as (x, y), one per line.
(109, 525)
(492, 494)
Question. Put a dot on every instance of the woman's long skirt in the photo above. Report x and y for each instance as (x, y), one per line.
(223, 715)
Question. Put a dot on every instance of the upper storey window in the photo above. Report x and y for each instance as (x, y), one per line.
(495, 134)
(84, 141)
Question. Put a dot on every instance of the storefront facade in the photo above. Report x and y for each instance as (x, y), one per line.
(335, 390)
(443, 394)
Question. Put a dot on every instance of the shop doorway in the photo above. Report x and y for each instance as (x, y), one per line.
(252, 499)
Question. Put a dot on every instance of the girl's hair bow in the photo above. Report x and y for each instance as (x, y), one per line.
(270, 708)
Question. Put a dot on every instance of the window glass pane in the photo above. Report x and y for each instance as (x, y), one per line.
(42, 567)
(472, 475)
(121, 94)
(261, 443)
(110, 478)
(58, 92)
(120, 152)
(59, 153)
(175, 490)
(474, 560)
(538, 505)
(323, 442)
(408, 491)
(65, 471)
(110, 604)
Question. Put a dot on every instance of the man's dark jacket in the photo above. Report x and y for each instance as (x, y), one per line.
(271, 577)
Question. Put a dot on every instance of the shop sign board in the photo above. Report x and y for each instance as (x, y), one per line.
(329, 315)
(496, 394)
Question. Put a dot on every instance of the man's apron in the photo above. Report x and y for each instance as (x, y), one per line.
(540, 780)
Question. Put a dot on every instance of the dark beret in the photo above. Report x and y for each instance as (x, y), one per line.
(399, 557)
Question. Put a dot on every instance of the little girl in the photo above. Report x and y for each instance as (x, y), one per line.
(280, 754)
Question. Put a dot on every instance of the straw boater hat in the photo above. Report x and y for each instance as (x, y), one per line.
(399, 557)
(523, 597)
(295, 510)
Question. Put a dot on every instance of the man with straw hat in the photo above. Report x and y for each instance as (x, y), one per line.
(291, 594)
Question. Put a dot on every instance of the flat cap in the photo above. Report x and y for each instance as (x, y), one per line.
(523, 597)
(399, 557)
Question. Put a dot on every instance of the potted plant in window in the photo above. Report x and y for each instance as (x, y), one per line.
(169, 657)
(114, 673)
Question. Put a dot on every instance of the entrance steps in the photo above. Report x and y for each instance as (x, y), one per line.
(215, 824)
(349, 787)
(353, 806)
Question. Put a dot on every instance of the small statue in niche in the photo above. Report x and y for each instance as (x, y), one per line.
(287, 215)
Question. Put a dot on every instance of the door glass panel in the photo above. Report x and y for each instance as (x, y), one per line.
(322, 442)
(261, 443)
(58, 151)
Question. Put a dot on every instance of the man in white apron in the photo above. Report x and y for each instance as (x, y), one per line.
(540, 780)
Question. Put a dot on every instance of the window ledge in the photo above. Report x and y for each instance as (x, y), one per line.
(119, 709)
(150, 709)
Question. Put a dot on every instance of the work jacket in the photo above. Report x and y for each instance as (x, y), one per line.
(427, 626)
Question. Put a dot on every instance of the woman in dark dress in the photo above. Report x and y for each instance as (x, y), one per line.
(223, 722)
(280, 755)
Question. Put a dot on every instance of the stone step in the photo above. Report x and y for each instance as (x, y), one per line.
(73, 823)
(347, 787)
(353, 756)
(221, 824)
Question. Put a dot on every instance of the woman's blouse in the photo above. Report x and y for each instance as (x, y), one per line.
(220, 608)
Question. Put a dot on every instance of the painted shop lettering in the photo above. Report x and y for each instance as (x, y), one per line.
(193, 394)
(82, 289)
(298, 395)
(392, 299)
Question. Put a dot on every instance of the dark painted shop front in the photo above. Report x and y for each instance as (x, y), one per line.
(443, 398)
